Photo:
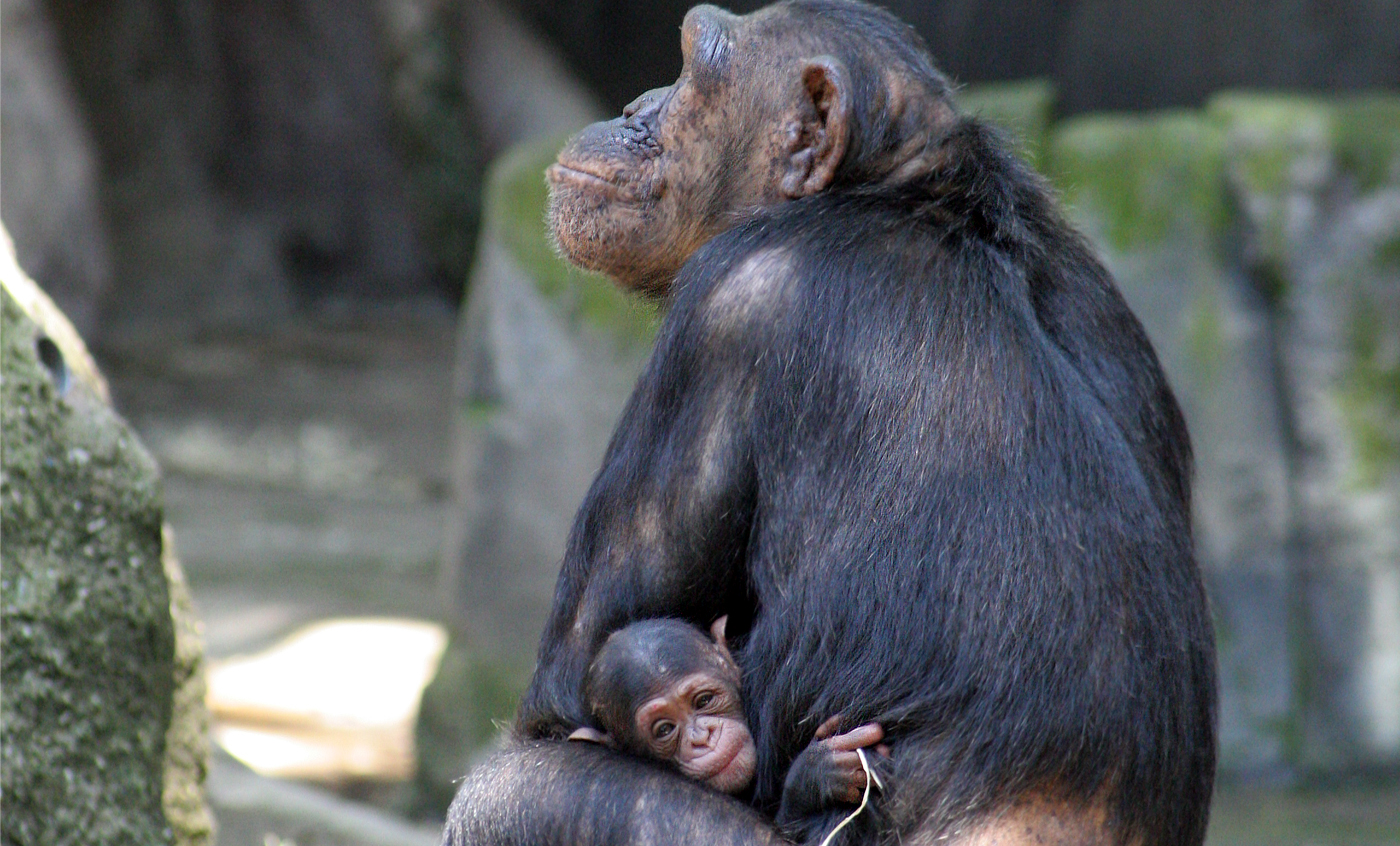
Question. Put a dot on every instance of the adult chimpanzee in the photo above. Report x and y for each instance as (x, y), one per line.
(900, 425)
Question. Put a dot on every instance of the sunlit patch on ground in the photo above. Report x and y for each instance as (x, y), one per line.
(334, 701)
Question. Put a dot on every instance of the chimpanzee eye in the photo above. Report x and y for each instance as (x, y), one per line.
(662, 729)
(703, 700)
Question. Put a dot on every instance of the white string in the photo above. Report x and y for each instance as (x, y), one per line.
(870, 778)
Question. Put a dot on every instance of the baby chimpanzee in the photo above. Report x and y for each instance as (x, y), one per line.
(660, 689)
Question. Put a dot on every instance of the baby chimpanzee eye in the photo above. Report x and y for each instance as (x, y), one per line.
(662, 729)
(703, 700)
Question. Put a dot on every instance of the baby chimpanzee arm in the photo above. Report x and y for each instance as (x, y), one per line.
(827, 773)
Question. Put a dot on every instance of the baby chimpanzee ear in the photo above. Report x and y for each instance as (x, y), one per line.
(717, 632)
(588, 734)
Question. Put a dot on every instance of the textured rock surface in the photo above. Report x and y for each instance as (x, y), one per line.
(1318, 185)
(547, 357)
(50, 200)
(88, 648)
(1257, 240)
(187, 739)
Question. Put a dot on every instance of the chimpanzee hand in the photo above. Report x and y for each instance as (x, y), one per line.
(828, 772)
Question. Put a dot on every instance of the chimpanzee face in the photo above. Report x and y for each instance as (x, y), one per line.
(740, 129)
(698, 724)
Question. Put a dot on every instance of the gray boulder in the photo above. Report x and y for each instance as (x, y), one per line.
(100, 691)
(1258, 242)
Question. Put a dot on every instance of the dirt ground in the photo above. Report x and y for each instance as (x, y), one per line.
(306, 478)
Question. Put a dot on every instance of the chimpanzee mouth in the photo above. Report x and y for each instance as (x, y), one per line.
(560, 173)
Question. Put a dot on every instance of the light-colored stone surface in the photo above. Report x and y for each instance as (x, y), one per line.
(333, 702)
(547, 356)
(546, 359)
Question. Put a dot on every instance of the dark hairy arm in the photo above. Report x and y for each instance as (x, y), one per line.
(663, 529)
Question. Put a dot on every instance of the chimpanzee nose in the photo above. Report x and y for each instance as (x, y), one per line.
(647, 100)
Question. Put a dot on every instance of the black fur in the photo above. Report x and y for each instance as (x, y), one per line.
(572, 794)
(938, 480)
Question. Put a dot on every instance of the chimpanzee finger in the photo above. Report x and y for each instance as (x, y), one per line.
(853, 787)
(828, 728)
(858, 738)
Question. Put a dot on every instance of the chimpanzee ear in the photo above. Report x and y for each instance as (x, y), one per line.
(717, 632)
(588, 734)
(818, 137)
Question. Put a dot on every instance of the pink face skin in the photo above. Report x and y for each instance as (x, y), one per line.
(698, 723)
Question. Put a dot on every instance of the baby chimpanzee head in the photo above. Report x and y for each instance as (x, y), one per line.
(661, 689)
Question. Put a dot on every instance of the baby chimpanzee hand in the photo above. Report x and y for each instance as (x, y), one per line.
(828, 772)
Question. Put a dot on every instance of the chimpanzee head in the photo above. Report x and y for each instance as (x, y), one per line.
(660, 689)
(777, 105)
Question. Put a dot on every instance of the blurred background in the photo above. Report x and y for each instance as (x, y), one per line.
(304, 240)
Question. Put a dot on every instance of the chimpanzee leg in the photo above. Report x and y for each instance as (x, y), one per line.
(553, 793)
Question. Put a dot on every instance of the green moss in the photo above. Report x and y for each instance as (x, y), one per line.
(1366, 135)
(479, 412)
(1141, 176)
(1023, 108)
(515, 210)
(1268, 133)
(87, 662)
(1369, 396)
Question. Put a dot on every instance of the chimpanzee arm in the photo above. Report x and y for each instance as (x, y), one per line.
(663, 529)
(826, 774)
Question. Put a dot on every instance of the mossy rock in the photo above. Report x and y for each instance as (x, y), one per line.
(1023, 108)
(1366, 134)
(88, 642)
(187, 740)
(1268, 132)
(516, 200)
(1276, 144)
(1141, 175)
(548, 356)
